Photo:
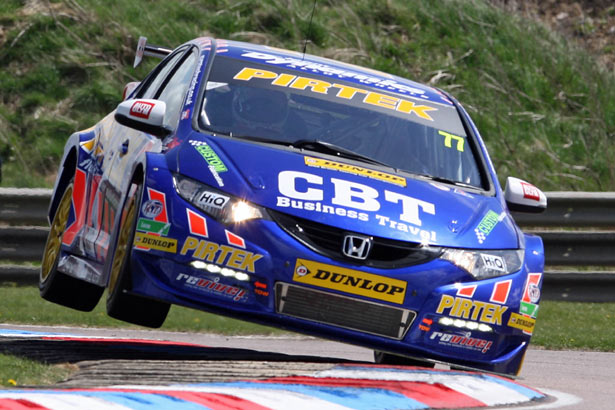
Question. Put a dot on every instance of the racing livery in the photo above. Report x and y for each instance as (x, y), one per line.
(299, 192)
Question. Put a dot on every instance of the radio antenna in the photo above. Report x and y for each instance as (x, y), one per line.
(309, 30)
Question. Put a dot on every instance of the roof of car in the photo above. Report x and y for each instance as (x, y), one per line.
(307, 63)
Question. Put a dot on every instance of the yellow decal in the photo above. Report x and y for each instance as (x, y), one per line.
(471, 309)
(524, 323)
(148, 241)
(220, 254)
(448, 140)
(351, 169)
(343, 91)
(350, 281)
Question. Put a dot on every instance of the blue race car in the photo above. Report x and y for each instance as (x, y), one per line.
(298, 192)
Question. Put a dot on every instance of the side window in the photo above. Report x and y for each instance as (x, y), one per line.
(151, 88)
(175, 88)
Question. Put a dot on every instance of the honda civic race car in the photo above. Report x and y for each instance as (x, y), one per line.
(297, 192)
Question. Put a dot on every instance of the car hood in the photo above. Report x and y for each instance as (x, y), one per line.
(357, 197)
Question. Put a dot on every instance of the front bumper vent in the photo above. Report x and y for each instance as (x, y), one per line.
(343, 311)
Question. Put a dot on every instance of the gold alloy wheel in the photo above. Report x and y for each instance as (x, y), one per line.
(54, 240)
(123, 243)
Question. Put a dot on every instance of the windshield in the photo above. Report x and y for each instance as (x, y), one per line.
(251, 100)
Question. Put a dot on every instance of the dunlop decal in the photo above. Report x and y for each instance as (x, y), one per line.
(350, 281)
(352, 169)
(158, 243)
(522, 322)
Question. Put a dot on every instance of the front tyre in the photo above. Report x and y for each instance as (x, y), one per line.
(58, 287)
(121, 304)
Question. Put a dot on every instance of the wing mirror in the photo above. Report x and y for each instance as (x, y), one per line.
(521, 196)
(143, 115)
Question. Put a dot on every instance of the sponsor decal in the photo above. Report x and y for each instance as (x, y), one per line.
(355, 170)
(425, 324)
(302, 190)
(448, 140)
(465, 340)
(529, 309)
(209, 155)
(141, 109)
(196, 224)
(467, 291)
(147, 225)
(486, 225)
(213, 287)
(522, 322)
(493, 262)
(160, 213)
(471, 309)
(220, 254)
(151, 208)
(532, 290)
(212, 199)
(195, 78)
(331, 71)
(235, 240)
(149, 241)
(185, 114)
(501, 291)
(260, 288)
(350, 281)
(530, 191)
(339, 90)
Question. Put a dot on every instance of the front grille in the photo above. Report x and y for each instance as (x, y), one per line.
(342, 311)
(328, 240)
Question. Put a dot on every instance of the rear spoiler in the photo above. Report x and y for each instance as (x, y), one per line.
(144, 49)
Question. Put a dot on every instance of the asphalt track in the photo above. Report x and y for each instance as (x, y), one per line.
(282, 372)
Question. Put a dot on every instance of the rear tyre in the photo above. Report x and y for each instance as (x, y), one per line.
(121, 304)
(388, 358)
(58, 287)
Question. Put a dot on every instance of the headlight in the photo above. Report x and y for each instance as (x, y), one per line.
(219, 205)
(483, 264)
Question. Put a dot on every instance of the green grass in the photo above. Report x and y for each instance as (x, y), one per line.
(569, 325)
(16, 371)
(544, 107)
(24, 305)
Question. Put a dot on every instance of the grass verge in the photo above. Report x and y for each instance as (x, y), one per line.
(24, 305)
(16, 371)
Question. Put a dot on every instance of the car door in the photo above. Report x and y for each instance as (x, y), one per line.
(124, 146)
